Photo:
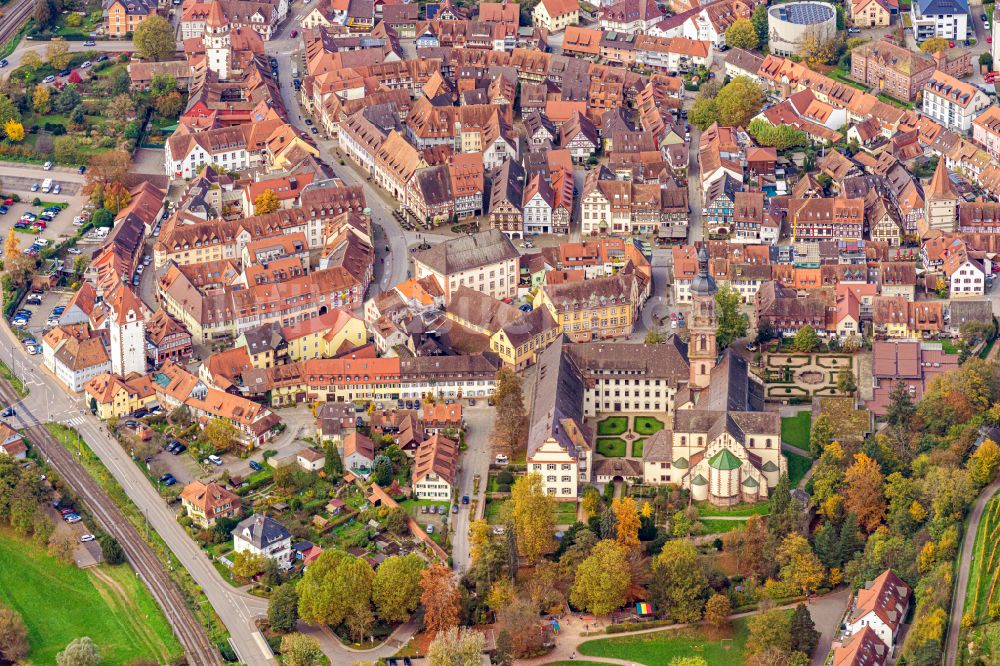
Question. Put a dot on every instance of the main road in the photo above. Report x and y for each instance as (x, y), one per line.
(391, 266)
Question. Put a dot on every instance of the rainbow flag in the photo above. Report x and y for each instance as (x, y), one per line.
(643, 608)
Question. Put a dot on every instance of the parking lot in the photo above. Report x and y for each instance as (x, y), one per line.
(19, 180)
(41, 312)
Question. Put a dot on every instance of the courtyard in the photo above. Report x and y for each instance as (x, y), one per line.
(802, 377)
(624, 436)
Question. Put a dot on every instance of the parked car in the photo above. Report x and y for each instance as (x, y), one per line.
(465, 499)
(87, 538)
(255, 466)
(34, 187)
(7, 413)
(73, 250)
(90, 42)
(179, 449)
(214, 459)
(47, 166)
(430, 529)
(501, 459)
(3, 209)
(3, 63)
(49, 79)
(454, 508)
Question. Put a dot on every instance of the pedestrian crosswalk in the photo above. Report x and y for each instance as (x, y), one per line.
(74, 421)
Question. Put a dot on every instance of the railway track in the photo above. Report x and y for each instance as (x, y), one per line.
(189, 632)
(13, 18)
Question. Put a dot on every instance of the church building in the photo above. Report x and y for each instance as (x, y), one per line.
(717, 441)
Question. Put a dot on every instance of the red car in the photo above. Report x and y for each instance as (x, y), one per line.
(951, 45)
(989, 40)
(8, 202)
(295, 33)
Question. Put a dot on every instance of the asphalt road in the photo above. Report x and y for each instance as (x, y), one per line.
(474, 460)
(112, 46)
(391, 267)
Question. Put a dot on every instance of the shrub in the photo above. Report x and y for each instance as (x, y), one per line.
(505, 478)
(503, 487)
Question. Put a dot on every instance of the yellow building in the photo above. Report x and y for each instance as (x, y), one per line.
(596, 309)
(123, 17)
(115, 397)
(325, 336)
(519, 343)
(870, 13)
(556, 15)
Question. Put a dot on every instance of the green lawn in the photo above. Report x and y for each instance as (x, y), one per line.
(948, 347)
(659, 648)
(564, 513)
(611, 447)
(613, 425)
(795, 429)
(797, 467)
(60, 602)
(637, 447)
(717, 526)
(708, 509)
(647, 425)
(982, 592)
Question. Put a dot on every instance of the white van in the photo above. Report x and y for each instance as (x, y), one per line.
(214, 459)
(47, 185)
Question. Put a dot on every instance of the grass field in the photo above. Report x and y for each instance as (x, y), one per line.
(611, 447)
(564, 513)
(647, 425)
(707, 509)
(797, 467)
(795, 429)
(660, 647)
(60, 602)
(717, 526)
(637, 447)
(983, 590)
(613, 425)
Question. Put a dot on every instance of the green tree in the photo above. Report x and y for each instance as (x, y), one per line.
(396, 587)
(333, 466)
(154, 38)
(456, 647)
(678, 581)
(120, 107)
(741, 35)
(57, 54)
(382, 470)
(510, 425)
(655, 338)
(111, 550)
(769, 630)
(105, 218)
(845, 381)
(504, 654)
(803, 634)
(14, 644)
(283, 608)
(80, 652)
(820, 435)
(732, 324)
(67, 98)
(301, 650)
(739, 100)
(169, 105)
(806, 339)
(704, 112)
(247, 565)
(162, 84)
(43, 15)
(759, 20)
(64, 149)
(336, 589)
(781, 137)
(602, 580)
(531, 513)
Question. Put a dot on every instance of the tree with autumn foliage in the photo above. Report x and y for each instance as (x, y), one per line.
(602, 580)
(14, 131)
(531, 513)
(799, 565)
(116, 197)
(510, 425)
(17, 263)
(266, 202)
(626, 522)
(440, 598)
(864, 494)
(103, 170)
